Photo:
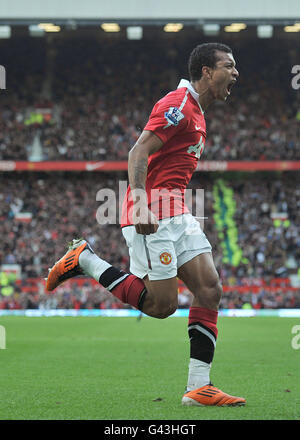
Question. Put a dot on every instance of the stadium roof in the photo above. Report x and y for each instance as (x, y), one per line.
(144, 12)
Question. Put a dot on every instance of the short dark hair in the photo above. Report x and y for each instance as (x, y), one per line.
(204, 55)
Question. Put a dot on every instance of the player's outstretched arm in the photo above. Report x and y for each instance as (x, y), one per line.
(147, 144)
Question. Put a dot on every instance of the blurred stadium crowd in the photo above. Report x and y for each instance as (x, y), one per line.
(101, 97)
(99, 102)
(41, 212)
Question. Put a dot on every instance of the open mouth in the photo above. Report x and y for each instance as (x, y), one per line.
(230, 85)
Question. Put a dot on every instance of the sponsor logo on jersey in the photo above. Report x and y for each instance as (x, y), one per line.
(197, 149)
(165, 258)
(173, 116)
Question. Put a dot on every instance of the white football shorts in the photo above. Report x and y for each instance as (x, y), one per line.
(159, 255)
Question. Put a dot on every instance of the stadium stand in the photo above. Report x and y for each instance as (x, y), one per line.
(93, 108)
(99, 101)
(41, 213)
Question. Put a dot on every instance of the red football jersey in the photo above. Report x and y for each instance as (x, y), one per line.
(178, 120)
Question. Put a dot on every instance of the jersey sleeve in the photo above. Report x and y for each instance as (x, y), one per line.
(166, 121)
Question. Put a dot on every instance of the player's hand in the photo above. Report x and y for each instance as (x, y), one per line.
(145, 221)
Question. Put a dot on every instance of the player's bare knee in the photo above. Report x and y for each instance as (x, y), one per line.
(214, 293)
(217, 292)
(163, 314)
(165, 308)
(210, 294)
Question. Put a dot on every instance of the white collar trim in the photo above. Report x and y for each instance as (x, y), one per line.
(188, 85)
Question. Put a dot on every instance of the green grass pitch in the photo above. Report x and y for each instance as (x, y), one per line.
(124, 369)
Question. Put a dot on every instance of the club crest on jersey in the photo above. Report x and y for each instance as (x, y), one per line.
(165, 258)
(173, 116)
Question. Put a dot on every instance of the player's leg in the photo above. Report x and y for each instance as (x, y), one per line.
(153, 259)
(201, 277)
(197, 270)
(161, 299)
(157, 298)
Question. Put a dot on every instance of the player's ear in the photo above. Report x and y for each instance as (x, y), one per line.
(206, 72)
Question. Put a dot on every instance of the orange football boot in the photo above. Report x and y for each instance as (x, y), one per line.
(68, 266)
(211, 396)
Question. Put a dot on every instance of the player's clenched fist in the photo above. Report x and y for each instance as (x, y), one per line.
(144, 220)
